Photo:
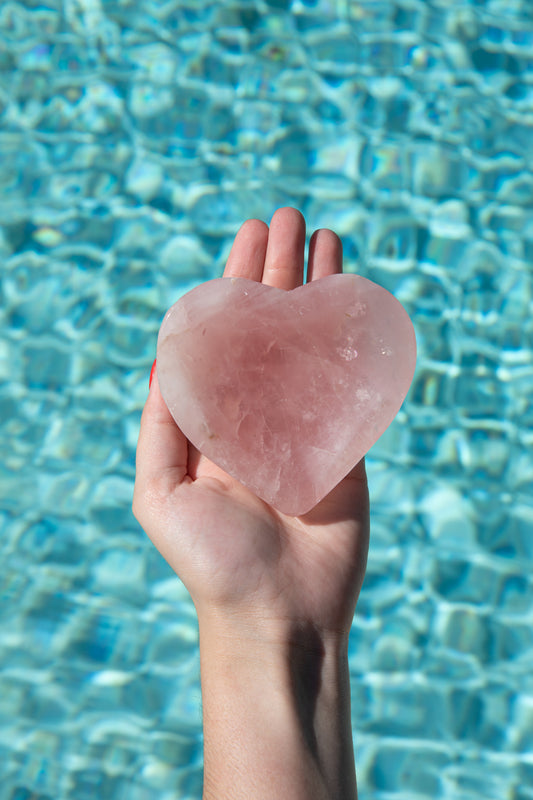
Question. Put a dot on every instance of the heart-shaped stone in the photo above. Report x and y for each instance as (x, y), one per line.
(286, 390)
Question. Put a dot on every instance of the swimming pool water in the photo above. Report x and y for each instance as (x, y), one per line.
(135, 137)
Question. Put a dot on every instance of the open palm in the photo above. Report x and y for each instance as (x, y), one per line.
(235, 553)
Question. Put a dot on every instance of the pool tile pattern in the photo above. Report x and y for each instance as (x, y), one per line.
(135, 137)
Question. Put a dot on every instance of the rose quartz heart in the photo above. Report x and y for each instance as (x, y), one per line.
(286, 390)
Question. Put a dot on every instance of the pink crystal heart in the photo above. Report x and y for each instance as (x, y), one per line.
(286, 390)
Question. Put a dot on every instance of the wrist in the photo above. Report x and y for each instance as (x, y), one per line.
(266, 629)
(276, 704)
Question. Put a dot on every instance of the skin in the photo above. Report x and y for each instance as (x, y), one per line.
(275, 595)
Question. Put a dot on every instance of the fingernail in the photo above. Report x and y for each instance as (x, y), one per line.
(152, 373)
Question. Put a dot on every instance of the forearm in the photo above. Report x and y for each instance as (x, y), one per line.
(277, 719)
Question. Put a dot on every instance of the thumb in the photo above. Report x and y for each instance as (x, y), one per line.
(162, 452)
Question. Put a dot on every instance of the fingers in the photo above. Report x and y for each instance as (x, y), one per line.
(247, 255)
(275, 255)
(161, 452)
(325, 255)
(284, 259)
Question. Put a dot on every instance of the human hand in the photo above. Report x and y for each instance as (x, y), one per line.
(275, 595)
(233, 552)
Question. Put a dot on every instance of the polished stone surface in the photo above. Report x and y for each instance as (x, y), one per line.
(286, 391)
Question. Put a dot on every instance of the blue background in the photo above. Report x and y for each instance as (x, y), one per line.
(135, 137)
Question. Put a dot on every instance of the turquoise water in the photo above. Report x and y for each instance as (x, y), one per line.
(135, 137)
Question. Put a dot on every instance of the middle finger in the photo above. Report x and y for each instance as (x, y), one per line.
(284, 260)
